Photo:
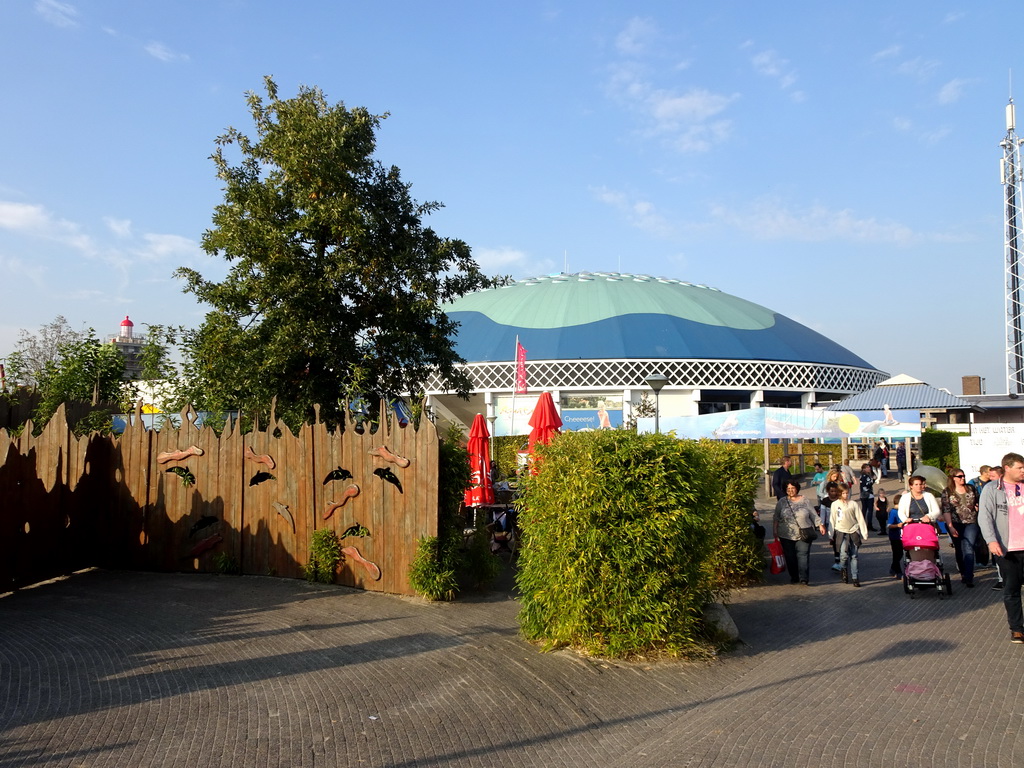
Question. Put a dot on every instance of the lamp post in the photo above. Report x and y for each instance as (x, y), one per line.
(657, 381)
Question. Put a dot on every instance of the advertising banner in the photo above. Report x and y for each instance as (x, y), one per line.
(791, 423)
(590, 412)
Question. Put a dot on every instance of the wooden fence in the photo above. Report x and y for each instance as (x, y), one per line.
(253, 500)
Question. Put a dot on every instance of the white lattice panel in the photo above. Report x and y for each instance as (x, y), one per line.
(691, 374)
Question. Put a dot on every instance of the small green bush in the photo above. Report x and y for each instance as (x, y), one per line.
(432, 572)
(324, 554)
(940, 448)
(626, 538)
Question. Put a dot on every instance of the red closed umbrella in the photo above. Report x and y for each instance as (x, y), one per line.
(481, 490)
(545, 421)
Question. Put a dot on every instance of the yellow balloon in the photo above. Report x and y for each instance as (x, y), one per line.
(849, 423)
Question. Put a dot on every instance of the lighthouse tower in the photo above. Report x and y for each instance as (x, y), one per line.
(130, 347)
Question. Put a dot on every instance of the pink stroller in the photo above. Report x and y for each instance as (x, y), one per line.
(922, 563)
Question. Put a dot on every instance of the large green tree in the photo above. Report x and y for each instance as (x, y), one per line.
(335, 284)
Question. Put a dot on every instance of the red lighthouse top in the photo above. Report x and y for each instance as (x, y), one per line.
(126, 328)
(127, 322)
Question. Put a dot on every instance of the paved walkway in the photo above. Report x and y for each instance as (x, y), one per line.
(135, 669)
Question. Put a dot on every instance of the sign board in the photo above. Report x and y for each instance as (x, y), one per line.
(987, 444)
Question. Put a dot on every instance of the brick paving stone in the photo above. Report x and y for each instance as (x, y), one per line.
(128, 669)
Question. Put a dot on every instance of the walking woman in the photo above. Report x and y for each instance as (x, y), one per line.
(793, 513)
(850, 527)
(959, 504)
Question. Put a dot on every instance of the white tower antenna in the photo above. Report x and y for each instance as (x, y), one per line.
(1013, 186)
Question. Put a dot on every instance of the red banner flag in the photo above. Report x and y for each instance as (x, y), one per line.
(520, 368)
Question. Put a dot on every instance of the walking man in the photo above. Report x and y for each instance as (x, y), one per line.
(1001, 516)
(780, 477)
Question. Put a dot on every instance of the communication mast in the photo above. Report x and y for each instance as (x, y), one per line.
(1012, 172)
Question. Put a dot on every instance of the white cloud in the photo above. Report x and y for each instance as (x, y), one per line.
(57, 13)
(681, 116)
(774, 220)
(161, 247)
(511, 261)
(770, 64)
(36, 221)
(684, 117)
(641, 214)
(902, 123)
(887, 53)
(918, 68)
(953, 16)
(635, 38)
(12, 266)
(951, 92)
(120, 227)
(163, 53)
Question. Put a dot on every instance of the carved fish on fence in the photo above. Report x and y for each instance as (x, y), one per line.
(260, 458)
(183, 473)
(203, 522)
(283, 511)
(260, 477)
(166, 456)
(350, 493)
(351, 553)
(338, 474)
(383, 452)
(386, 474)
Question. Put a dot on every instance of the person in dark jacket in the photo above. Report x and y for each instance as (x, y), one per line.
(780, 477)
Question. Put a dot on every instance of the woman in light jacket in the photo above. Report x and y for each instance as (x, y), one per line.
(848, 524)
(919, 504)
(793, 512)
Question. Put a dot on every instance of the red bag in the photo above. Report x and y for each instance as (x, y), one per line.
(778, 558)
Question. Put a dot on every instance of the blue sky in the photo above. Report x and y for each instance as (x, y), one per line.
(835, 162)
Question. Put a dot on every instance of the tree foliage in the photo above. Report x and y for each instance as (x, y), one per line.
(335, 284)
(84, 369)
(34, 351)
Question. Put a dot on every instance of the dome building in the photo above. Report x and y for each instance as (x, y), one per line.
(593, 339)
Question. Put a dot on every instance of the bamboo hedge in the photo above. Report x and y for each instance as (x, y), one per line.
(627, 538)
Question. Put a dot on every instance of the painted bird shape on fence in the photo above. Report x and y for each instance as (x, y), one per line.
(203, 522)
(355, 530)
(260, 477)
(386, 474)
(338, 474)
(187, 478)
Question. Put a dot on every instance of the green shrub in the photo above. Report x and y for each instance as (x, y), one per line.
(627, 537)
(324, 554)
(432, 572)
(940, 448)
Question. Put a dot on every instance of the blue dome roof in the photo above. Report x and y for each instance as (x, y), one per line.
(610, 315)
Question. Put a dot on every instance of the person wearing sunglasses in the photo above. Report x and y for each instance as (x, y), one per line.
(1001, 518)
(959, 505)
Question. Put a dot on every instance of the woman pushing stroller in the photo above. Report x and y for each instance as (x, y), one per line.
(919, 514)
